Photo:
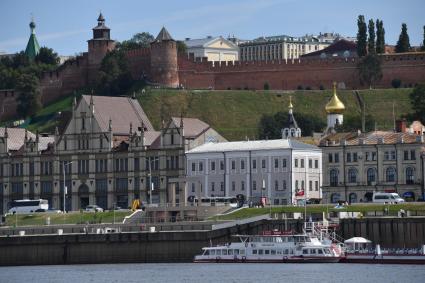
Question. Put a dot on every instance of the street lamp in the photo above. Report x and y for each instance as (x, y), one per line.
(64, 185)
(150, 178)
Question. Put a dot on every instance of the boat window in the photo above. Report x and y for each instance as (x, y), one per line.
(206, 252)
(224, 252)
(286, 251)
(313, 251)
(267, 252)
(212, 252)
(273, 252)
(218, 252)
(291, 251)
(230, 252)
(236, 252)
(279, 252)
(254, 252)
(305, 251)
(320, 251)
(327, 251)
(260, 252)
(242, 252)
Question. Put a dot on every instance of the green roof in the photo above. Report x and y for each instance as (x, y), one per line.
(33, 48)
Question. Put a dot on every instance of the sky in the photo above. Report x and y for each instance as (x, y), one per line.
(66, 26)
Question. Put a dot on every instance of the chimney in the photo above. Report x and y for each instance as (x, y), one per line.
(400, 125)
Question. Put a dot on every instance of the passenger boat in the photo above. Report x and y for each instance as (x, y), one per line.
(273, 247)
(360, 250)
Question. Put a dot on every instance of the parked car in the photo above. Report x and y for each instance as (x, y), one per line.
(94, 208)
(387, 198)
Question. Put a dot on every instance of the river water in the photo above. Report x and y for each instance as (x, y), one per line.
(206, 273)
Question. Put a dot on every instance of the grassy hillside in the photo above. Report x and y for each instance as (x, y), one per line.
(235, 114)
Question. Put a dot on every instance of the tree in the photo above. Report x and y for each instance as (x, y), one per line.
(353, 123)
(417, 99)
(29, 97)
(181, 47)
(423, 42)
(47, 56)
(361, 36)
(371, 40)
(139, 40)
(114, 75)
(370, 70)
(403, 43)
(268, 128)
(380, 37)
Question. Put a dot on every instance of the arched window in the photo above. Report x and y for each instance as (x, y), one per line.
(410, 175)
(333, 177)
(335, 197)
(352, 175)
(390, 174)
(371, 176)
(352, 197)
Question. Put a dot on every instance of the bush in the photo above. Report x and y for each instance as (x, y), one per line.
(266, 86)
(396, 83)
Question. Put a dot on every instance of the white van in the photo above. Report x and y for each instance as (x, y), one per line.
(386, 198)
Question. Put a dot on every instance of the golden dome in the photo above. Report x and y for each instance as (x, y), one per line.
(334, 106)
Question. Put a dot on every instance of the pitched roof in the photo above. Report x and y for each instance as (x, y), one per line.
(337, 47)
(16, 137)
(203, 42)
(371, 138)
(253, 146)
(121, 110)
(163, 35)
(33, 48)
(193, 127)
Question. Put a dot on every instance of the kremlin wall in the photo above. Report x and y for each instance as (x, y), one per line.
(161, 65)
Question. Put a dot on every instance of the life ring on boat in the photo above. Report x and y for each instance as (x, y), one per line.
(243, 258)
(217, 259)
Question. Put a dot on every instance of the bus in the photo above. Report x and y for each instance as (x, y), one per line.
(28, 206)
(216, 201)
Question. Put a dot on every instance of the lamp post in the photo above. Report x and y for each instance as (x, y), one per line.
(64, 185)
(150, 179)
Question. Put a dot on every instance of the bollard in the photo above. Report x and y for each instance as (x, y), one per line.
(152, 229)
(48, 220)
(60, 231)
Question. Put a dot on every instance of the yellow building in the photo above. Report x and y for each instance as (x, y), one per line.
(213, 48)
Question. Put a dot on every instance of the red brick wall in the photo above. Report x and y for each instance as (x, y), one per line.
(7, 104)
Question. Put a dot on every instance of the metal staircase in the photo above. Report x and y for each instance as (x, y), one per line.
(324, 231)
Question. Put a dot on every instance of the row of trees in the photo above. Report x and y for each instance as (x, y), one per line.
(22, 74)
(375, 43)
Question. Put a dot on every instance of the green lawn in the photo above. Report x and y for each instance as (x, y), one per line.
(68, 218)
(363, 208)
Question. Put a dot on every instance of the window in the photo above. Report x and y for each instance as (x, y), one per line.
(354, 156)
(233, 186)
(371, 176)
(330, 157)
(390, 174)
(348, 157)
(412, 155)
(222, 186)
(193, 166)
(212, 166)
(212, 186)
(336, 157)
(284, 163)
(83, 166)
(393, 155)
(193, 187)
(374, 156)
(296, 163)
(333, 177)
(406, 155)
(302, 185)
(276, 185)
(284, 185)
(136, 164)
(233, 165)
(254, 185)
(316, 186)
(276, 163)
(310, 163)
(243, 186)
(386, 155)
(263, 163)
(121, 165)
(242, 164)
(201, 166)
(221, 165)
(297, 185)
(310, 185)
(352, 175)
(302, 163)
(410, 177)
(316, 163)
(254, 164)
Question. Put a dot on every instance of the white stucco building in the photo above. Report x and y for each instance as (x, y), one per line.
(285, 171)
(213, 48)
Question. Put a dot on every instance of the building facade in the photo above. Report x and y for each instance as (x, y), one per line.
(285, 171)
(281, 47)
(213, 48)
(108, 154)
(357, 165)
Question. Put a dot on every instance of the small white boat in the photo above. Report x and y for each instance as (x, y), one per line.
(273, 247)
